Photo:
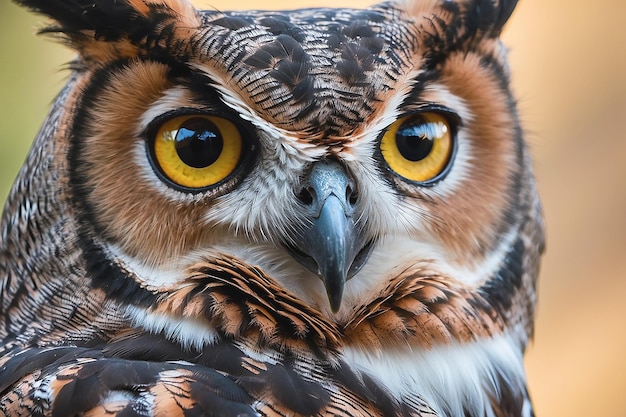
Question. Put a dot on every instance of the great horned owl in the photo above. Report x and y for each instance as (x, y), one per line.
(307, 213)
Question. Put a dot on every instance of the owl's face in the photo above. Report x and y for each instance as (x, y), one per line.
(333, 149)
(338, 151)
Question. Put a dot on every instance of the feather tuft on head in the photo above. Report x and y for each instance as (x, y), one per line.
(105, 30)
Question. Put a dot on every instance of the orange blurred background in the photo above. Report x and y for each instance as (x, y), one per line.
(569, 64)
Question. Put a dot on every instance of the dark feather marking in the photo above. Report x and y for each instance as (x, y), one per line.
(279, 25)
(359, 29)
(500, 290)
(234, 62)
(489, 16)
(202, 86)
(369, 389)
(355, 61)
(512, 213)
(293, 391)
(261, 59)
(268, 100)
(209, 404)
(24, 362)
(335, 36)
(419, 84)
(474, 21)
(22, 293)
(217, 395)
(233, 22)
(109, 277)
(145, 346)
(222, 356)
(110, 21)
(509, 401)
(438, 40)
(288, 63)
(348, 378)
(291, 73)
(302, 92)
(505, 8)
(374, 45)
(383, 399)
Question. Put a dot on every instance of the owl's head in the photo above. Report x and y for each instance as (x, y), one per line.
(336, 150)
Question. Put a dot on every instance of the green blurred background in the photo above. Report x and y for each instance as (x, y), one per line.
(569, 65)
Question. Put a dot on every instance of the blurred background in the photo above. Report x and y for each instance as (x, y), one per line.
(569, 65)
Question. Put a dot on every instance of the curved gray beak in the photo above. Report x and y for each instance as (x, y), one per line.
(330, 243)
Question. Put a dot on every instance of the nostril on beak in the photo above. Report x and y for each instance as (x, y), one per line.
(351, 195)
(307, 195)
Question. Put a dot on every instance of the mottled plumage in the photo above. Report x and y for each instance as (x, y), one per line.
(307, 213)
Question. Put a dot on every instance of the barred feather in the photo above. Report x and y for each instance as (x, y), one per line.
(125, 293)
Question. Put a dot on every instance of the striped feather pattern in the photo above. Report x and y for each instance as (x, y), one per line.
(121, 295)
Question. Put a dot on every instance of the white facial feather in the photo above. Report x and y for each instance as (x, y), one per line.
(165, 275)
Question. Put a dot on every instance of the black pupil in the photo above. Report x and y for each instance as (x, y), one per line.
(415, 139)
(199, 142)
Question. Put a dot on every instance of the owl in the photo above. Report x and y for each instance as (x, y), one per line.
(317, 212)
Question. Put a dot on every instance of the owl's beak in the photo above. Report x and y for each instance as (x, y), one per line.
(330, 243)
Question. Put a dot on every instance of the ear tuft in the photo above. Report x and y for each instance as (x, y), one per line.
(489, 16)
(102, 30)
(506, 10)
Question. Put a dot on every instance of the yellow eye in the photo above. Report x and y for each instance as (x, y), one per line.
(197, 151)
(418, 147)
